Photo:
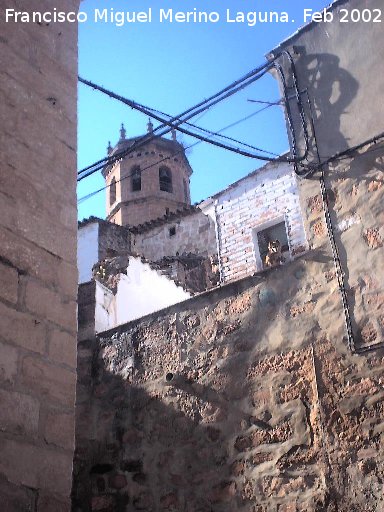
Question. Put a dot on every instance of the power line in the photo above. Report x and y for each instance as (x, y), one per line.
(92, 194)
(346, 154)
(191, 112)
(176, 121)
(210, 132)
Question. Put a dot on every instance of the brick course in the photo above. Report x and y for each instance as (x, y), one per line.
(268, 194)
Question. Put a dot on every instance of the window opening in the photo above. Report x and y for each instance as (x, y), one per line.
(272, 245)
(112, 191)
(165, 179)
(135, 179)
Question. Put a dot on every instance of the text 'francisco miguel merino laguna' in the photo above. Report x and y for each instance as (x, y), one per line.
(120, 18)
(250, 18)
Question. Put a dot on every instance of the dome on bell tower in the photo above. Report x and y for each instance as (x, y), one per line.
(150, 181)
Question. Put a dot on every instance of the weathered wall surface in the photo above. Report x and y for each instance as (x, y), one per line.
(194, 233)
(99, 239)
(38, 84)
(87, 250)
(268, 196)
(337, 62)
(113, 239)
(266, 409)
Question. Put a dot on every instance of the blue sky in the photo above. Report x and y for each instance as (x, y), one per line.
(173, 66)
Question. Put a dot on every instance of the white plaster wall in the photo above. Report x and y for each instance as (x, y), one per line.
(143, 291)
(87, 250)
(105, 309)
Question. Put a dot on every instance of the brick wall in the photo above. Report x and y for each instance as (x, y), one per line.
(38, 83)
(268, 195)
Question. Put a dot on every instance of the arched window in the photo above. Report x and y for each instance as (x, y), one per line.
(112, 191)
(185, 191)
(165, 179)
(135, 179)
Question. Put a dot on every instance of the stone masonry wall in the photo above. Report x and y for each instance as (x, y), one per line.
(247, 398)
(38, 84)
(113, 239)
(194, 233)
(268, 195)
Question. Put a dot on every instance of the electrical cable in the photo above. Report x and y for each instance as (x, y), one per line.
(182, 150)
(148, 137)
(259, 70)
(209, 132)
(176, 121)
(331, 235)
(171, 125)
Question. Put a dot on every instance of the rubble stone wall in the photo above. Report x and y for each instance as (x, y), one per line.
(244, 399)
(193, 233)
(38, 87)
(113, 240)
(248, 398)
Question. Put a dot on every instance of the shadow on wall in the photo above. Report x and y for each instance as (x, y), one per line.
(199, 411)
(179, 445)
(356, 189)
(331, 89)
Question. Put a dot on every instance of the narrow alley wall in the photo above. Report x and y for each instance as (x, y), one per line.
(38, 87)
(245, 398)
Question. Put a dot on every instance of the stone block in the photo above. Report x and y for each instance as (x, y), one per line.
(16, 498)
(27, 257)
(50, 381)
(19, 413)
(22, 329)
(9, 283)
(8, 363)
(67, 278)
(59, 429)
(62, 348)
(48, 503)
(117, 481)
(36, 467)
(18, 186)
(49, 304)
(103, 504)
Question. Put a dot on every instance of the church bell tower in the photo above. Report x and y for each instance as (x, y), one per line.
(149, 182)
